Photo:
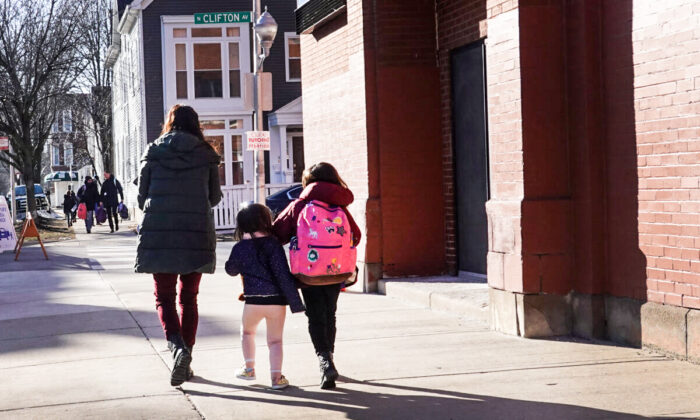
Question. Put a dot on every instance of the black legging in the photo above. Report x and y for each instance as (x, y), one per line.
(321, 303)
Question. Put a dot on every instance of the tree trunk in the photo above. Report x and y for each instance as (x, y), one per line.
(108, 150)
(28, 178)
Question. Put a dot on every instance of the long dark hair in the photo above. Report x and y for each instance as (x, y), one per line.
(253, 218)
(324, 172)
(183, 118)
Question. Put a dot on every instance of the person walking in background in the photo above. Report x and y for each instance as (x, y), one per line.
(110, 188)
(75, 206)
(321, 182)
(81, 190)
(90, 197)
(68, 203)
(178, 186)
(268, 287)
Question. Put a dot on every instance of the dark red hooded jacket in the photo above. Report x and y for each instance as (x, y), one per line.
(285, 226)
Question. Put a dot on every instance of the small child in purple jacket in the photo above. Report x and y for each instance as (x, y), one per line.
(268, 287)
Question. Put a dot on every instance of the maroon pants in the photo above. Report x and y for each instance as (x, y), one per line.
(186, 323)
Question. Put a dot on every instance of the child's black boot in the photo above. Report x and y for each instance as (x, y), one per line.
(328, 371)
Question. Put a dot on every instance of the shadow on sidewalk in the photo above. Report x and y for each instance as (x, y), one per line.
(382, 402)
(62, 324)
(31, 258)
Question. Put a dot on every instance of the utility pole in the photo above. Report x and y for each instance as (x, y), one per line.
(259, 184)
(264, 32)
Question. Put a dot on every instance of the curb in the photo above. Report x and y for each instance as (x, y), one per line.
(468, 300)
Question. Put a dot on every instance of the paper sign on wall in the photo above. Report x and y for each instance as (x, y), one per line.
(8, 238)
(258, 140)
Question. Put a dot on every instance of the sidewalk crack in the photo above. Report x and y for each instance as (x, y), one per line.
(126, 307)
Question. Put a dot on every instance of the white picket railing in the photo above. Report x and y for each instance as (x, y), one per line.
(234, 196)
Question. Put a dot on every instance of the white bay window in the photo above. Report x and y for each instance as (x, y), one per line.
(203, 65)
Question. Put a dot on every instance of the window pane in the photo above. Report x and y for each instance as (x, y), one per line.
(237, 158)
(207, 84)
(295, 69)
(203, 32)
(180, 33)
(237, 168)
(181, 84)
(207, 56)
(234, 77)
(68, 155)
(235, 124)
(213, 124)
(217, 142)
(234, 62)
(294, 47)
(180, 57)
(237, 148)
(67, 122)
(56, 156)
(233, 32)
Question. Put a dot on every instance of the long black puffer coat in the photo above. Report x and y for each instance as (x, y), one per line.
(178, 186)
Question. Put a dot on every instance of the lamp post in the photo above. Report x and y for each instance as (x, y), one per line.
(265, 29)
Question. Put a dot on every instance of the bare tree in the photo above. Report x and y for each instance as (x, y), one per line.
(96, 25)
(38, 64)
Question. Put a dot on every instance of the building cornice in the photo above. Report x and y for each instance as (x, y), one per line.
(126, 24)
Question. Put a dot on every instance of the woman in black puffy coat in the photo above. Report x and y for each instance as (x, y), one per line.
(178, 186)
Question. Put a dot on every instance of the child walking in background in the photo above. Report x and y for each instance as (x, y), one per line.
(268, 287)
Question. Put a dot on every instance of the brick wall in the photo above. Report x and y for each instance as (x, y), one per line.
(371, 108)
(402, 81)
(333, 86)
(504, 263)
(460, 23)
(666, 43)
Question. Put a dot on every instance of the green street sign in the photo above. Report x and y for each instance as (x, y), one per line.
(222, 17)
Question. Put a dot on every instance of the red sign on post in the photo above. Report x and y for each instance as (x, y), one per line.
(4, 143)
(258, 140)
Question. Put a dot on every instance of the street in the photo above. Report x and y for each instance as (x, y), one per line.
(80, 338)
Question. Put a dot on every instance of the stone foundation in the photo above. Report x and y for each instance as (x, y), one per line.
(671, 330)
(588, 316)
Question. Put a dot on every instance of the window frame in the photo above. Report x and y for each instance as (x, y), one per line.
(227, 133)
(203, 104)
(287, 37)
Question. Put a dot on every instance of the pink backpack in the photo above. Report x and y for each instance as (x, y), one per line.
(322, 252)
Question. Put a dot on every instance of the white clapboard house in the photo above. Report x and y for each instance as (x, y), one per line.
(160, 57)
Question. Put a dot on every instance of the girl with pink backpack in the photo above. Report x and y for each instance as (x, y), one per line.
(323, 238)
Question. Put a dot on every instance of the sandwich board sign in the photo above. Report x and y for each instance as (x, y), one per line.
(8, 238)
(258, 140)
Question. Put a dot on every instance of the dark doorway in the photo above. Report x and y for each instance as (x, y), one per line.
(298, 157)
(470, 156)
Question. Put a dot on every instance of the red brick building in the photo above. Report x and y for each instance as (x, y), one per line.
(553, 145)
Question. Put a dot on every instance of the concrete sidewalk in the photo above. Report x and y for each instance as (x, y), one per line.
(80, 338)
